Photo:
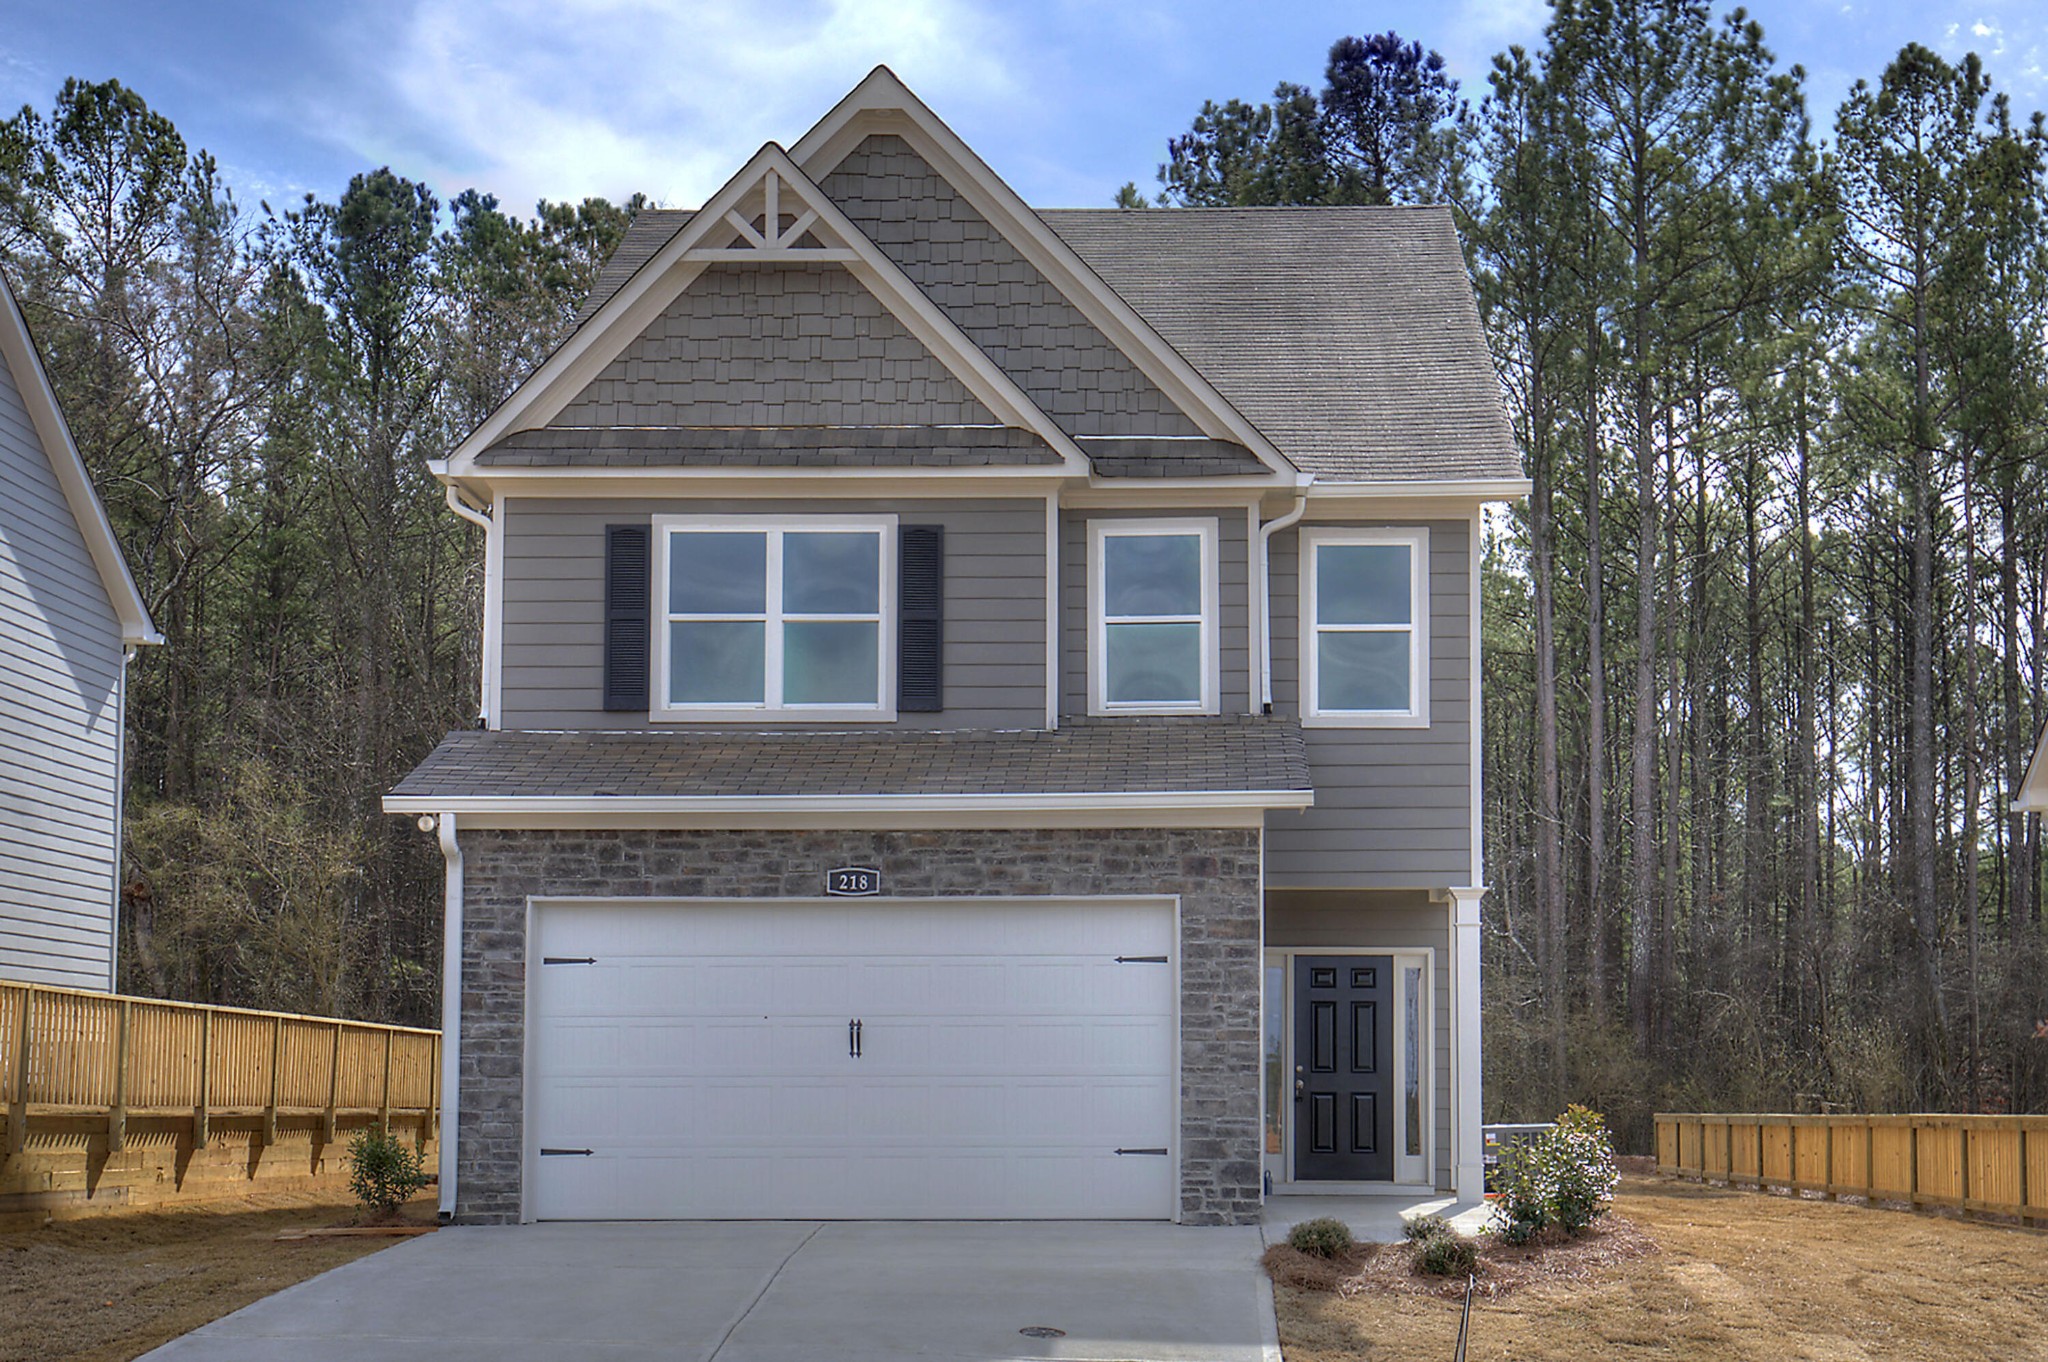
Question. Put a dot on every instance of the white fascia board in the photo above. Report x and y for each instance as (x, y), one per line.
(1463, 489)
(883, 103)
(677, 264)
(33, 382)
(722, 806)
(764, 484)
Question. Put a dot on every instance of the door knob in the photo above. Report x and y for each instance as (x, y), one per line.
(1300, 1089)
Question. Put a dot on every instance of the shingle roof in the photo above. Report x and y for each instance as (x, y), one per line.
(769, 447)
(1348, 335)
(1110, 756)
(647, 233)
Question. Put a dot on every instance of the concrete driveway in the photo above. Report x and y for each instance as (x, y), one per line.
(771, 1292)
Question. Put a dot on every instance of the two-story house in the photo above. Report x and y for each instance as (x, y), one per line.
(980, 713)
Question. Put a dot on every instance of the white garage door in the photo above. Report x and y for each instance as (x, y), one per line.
(852, 1059)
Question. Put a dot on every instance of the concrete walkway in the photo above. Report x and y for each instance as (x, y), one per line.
(1376, 1218)
(771, 1292)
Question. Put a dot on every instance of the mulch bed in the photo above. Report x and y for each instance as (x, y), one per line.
(1389, 1269)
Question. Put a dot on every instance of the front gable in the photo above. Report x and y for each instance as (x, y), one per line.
(768, 321)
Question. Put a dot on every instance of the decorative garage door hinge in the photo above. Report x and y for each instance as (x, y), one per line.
(1141, 959)
(586, 1153)
(1161, 1151)
(568, 959)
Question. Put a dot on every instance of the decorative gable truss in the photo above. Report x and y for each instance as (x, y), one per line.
(770, 215)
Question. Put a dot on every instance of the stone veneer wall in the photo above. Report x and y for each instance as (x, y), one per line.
(1214, 871)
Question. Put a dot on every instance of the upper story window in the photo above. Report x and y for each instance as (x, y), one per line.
(1365, 634)
(1152, 617)
(760, 614)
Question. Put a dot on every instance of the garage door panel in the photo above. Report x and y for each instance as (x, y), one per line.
(704, 1058)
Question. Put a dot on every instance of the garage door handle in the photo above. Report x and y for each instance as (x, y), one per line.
(568, 960)
(586, 1153)
(853, 1039)
(1141, 959)
(1161, 1151)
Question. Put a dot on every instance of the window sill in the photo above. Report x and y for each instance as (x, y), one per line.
(771, 718)
(1407, 721)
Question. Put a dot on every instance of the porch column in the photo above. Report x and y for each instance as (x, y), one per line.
(1467, 1144)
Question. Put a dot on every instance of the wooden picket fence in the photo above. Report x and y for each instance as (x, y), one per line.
(1984, 1165)
(136, 1100)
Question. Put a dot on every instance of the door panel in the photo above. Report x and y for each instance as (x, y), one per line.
(1344, 1068)
(706, 1063)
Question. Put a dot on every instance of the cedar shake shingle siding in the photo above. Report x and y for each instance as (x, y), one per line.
(795, 346)
(1041, 340)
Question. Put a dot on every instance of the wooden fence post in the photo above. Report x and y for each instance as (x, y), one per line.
(17, 1107)
(434, 1098)
(203, 1110)
(276, 1065)
(333, 1086)
(117, 1118)
(1869, 1162)
(1827, 1166)
(384, 1104)
(1913, 1164)
(1966, 1170)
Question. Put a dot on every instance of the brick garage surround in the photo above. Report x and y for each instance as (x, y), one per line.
(1215, 872)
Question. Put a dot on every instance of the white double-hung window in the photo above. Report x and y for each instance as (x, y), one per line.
(1152, 616)
(1365, 634)
(791, 615)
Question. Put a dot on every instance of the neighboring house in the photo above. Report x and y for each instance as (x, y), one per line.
(70, 617)
(1095, 592)
(2033, 792)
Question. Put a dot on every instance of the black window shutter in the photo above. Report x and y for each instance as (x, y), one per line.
(920, 618)
(627, 641)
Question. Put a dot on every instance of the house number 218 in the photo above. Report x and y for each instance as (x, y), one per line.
(853, 881)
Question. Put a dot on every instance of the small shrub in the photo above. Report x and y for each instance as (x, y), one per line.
(1562, 1179)
(1426, 1227)
(1448, 1254)
(384, 1172)
(1324, 1238)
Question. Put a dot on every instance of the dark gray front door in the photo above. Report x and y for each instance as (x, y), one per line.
(1343, 1068)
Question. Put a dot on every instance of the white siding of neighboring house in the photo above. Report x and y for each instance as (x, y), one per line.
(60, 718)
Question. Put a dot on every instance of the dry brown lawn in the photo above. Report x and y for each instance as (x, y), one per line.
(111, 1287)
(1739, 1275)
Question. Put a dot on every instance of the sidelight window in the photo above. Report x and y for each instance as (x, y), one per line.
(759, 614)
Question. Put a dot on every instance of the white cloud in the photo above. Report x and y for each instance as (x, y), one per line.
(564, 98)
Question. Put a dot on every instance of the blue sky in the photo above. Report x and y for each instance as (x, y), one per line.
(562, 98)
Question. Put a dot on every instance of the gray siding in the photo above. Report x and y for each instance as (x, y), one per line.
(60, 688)
(783, 346)
(996, 296)
(1234, 591)
(1396, 921)
(554, 606)
(1393, 805)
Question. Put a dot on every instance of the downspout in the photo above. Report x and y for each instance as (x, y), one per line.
(487, 649)
(451, 1011)
(120, 804)
(1266, 533)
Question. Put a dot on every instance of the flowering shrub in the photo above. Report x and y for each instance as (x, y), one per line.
(1563, 1179)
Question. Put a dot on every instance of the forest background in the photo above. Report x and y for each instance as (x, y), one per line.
(1763, 644)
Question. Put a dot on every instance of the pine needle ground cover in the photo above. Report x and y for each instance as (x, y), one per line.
(1688, 1273)
(111, 1287)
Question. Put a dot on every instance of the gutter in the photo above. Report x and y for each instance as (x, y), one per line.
(451, 1011)
(1265, 594)
(1087, 802)
(487, 649)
